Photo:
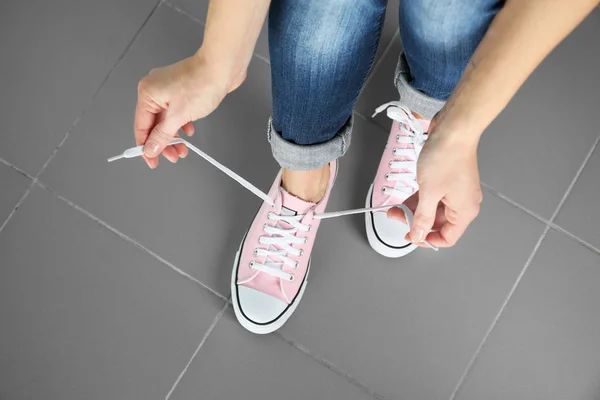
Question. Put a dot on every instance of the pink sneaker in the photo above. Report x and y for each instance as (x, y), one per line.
(271, 266)
(396, 180)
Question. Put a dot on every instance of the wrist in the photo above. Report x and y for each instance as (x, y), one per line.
(224, 70)
(452, 130)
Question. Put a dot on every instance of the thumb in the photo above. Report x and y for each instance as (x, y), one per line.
(424, 216)
(162, 134)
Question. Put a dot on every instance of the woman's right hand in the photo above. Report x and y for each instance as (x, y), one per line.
(171, 98)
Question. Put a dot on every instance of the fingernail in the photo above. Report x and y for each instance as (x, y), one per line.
(151, 149)
(417, 235)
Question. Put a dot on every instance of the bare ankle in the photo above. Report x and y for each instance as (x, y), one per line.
(307, 185)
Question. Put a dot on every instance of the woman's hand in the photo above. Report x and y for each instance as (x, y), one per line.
(449, 192)
(171, 98)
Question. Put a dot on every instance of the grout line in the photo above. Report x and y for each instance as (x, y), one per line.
(132, 241)
(204, 338)
(183, 12)
(496, 193)
(383, 54)
(17, 205)
(265, 59)
(338, 371)
(471, 364)
(97, 91)
(579, 171)
(366, 119)
(64, 139)
(550, 224)
(576, 238)
(19, 170)
(371, 122)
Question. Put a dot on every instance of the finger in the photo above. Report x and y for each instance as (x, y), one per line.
(143, 123)
(181, 149)
(152, 162)
(398, 213)
(425, 214)
(162, 133)
(449, 234)
(170, 153)
(440, 215)
(188, 129)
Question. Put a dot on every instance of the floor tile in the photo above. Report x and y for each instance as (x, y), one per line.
(55, 54)
(579, 215)
(199, 8)
(380, 87)
(406, 328)
(87, 315)
(545, 343)
(190, 213)
(532, 152)
(235, 364)
(14, 185)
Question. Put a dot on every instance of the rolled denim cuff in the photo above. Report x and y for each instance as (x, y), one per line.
(308, 157)
(414, 99)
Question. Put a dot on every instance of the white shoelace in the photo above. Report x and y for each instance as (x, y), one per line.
(285, 237)
(405, 179)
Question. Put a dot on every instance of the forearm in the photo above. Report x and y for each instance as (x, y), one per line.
(519, 38)
(231, 32)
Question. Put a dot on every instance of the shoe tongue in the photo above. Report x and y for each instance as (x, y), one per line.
(425, 124)
(292, 205)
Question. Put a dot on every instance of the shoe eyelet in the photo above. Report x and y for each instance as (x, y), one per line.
(265, 226)
(301, 252)
(387, 177)
(291, 278)
(398, 138)
(256, 252)
(394, 151)
(390, 163)
(296, 265)
(309, 228)
(383, 189)
(305, 240)
(251, 264)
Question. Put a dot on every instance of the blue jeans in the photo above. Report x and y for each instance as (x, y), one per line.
(322, 50)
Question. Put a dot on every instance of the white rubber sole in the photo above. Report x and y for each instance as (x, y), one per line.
(262, 329)
(374, 241)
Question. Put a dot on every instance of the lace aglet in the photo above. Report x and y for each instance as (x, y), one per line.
(115, 158)
(432, 247)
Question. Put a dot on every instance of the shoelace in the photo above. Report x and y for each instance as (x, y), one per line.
(284, 239)
(405, 178)
(287, 236)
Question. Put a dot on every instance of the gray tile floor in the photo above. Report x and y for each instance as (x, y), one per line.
(112, 287)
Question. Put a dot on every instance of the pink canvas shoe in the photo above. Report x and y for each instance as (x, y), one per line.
(396, 180)
(271, 266)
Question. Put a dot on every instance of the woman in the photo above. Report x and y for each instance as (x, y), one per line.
(462, 62)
